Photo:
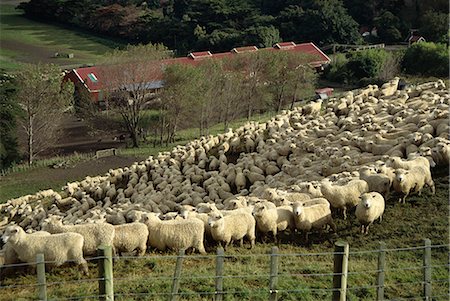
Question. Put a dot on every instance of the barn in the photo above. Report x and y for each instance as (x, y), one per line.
(93, 81)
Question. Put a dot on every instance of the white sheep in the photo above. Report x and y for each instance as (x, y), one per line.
(233, 227)
(57, 248)
(94, 234)
(279, 197)
(344, 196)
(369, 209)
(412, 180)
(273, 220)
(175, 234)
(314, 214)
(377, 182)
(131, 237)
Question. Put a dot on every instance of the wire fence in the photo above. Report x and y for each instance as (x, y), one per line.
(414, 273)
(61, 161)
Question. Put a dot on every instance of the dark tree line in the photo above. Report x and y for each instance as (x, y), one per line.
(220, 25)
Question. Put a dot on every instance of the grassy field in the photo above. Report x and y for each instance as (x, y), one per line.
(25, 40)
(304, 270)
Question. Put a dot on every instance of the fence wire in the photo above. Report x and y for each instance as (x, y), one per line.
(287, 272)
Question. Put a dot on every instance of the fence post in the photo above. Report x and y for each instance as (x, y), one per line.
(380, 272)
(341, 250)
(273, 280)
(40, 269)
(219, 274)
(105, 273)
(176, 276)
(427, 270)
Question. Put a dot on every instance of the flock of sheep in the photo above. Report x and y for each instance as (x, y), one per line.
(287, 174)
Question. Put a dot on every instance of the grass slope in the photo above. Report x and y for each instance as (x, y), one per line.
(302, 276)
(25, 40)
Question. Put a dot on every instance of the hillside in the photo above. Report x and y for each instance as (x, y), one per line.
(294, 152)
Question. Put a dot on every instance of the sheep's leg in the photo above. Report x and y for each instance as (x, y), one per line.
(433, 188)
(252, 243)
(362, 229)
(84, 267)
(332, 225)
(305, 236)
(345, 212)
(140, 251)
(201, 249)
(241, 242)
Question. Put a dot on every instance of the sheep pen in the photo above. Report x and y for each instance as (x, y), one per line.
(334, 144)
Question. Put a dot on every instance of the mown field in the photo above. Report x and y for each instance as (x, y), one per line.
(26, 41)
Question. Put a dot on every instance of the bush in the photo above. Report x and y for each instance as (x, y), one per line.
(367, 63)
(337, 70)
(426, 59)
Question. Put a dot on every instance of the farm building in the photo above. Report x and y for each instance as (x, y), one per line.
(93, 81)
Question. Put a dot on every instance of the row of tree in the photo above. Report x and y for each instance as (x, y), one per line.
(214, 91)
(379, 65)
(220, 25)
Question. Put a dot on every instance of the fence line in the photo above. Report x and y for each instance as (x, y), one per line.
(47, 162)
(339, 282)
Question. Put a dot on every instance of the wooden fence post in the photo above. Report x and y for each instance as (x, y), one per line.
(176, 276)
(105, 273)
(273, 280)
(219, 274)
(341, 250)
(40, 269)
(427, 270)
(380, 272)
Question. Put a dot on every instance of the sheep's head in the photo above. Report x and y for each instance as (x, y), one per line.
(12, 234)
(214, 219)
(400, 175)
(366, 200)
(259, 210)
(298, 209)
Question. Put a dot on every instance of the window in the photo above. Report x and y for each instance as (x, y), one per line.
(92, 77)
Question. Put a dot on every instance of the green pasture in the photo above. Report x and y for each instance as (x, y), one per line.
(25, 40)
(304, 269)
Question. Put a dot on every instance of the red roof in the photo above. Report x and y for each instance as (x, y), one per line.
(284, 45)
(244, 49)
(83, 74)
(200, 54)
(92, 77)
(415, 38)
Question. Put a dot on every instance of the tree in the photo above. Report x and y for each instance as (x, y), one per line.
(181, 89)
(322, 22)
(427, 58)
(43, 98)
(9, 110)
(129, 76)
(435, 26)
(388, 26)
(254, 93)
(366, 63)
(287, 75)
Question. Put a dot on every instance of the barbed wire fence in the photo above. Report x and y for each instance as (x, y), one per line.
(339, 275)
